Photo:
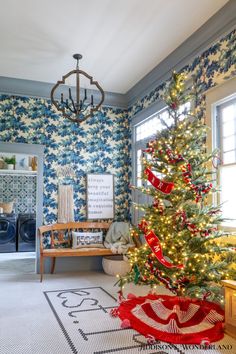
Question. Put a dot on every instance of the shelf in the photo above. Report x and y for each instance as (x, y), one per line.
(18, 172)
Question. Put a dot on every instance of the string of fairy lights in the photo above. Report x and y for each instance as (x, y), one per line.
(185, 225)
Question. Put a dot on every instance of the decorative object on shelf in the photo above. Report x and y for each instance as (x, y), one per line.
(10, 161)
(2, 163)
(230, 307)
(80, 108)
(34, 163)
(22, 162)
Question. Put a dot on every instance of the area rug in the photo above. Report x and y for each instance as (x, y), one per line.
(83, 316)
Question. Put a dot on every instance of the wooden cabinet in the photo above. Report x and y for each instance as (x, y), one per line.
(230, 307)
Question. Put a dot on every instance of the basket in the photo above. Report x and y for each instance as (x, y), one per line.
(115, 265)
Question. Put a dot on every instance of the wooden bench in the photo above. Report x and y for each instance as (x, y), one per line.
(62, 234)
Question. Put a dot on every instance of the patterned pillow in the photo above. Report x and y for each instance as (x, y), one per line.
(87, 239)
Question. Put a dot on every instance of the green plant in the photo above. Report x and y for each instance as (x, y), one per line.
(10, 160)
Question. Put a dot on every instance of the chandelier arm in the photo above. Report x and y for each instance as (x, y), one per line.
(60, 82)
(70, 109)
(73, 104)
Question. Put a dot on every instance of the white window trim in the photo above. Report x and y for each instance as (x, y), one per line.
(214, 97)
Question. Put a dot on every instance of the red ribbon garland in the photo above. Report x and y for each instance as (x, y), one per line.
(165, 280)
(200, 189)
(174, 158)
(155, 246)
(164, 187)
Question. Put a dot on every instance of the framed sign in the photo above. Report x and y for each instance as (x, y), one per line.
(100, 196)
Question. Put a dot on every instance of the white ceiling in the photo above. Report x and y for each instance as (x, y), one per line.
(120, 40)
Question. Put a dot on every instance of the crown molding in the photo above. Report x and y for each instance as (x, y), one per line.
(38, 89)
(216, 27)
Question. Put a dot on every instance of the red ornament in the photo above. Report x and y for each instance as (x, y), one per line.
(125, 324)
(114, 312)
(192, 227)
(157, 204)
(174, 105)
(174, 158)
(183, 281)
(180, 218)
(143, 226)
(149, 150)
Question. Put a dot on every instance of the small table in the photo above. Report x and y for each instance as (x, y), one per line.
(230, 307)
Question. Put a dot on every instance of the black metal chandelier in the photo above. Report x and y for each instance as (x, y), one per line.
(82, 106)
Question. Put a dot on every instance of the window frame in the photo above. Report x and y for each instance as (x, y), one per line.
(218, 140)
(219, 124)
(137, 196)
(215, 97)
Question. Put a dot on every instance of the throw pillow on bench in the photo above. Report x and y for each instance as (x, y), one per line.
(87, 239)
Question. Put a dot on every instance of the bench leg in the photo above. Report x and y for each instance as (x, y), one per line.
(41, 268)
(53, 264)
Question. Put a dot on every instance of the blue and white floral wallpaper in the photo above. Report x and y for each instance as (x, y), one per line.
(211, 68)
(100, 144)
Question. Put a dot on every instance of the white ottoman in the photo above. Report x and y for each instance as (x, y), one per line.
(113, 265)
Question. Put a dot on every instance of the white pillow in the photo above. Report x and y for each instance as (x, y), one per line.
(87, 239)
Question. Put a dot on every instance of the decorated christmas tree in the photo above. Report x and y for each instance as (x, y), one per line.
(181, 227)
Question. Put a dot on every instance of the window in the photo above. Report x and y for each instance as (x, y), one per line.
(143, 132)
(146, 130)
(225, 140)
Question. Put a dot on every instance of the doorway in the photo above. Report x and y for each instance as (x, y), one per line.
(26, 213)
